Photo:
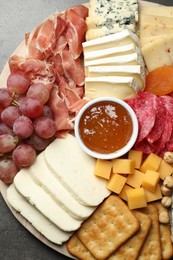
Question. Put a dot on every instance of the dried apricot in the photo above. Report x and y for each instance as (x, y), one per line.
(160, 81)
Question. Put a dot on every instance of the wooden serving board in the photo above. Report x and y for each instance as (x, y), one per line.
(21, 50)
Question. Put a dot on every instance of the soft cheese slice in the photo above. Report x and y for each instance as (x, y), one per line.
(129, 59)
(38, 221)
(44, 177)
(115, 80)
(118, 39)
(75, 170)
(43, 202)
(135, 71)
(158, 53)
(115, 51)
(95, 89)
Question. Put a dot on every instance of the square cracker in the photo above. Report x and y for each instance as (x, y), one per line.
(108, 227)
(131, 248)
(152, 246)
(77, 249)
(165, 234)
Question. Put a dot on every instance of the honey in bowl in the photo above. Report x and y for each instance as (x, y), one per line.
(106, 128)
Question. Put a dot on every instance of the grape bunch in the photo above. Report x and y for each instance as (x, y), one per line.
(26, 124)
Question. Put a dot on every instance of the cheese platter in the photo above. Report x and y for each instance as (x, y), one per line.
(21, 50)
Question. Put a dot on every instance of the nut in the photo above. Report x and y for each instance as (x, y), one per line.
(164, 217)
(166, 191)
(168, 158)
(166, 201)
(168, 182)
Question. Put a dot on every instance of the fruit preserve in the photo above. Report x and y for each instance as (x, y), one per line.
(105, 127)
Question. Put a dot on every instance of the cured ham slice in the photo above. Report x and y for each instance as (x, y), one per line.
(75, 32)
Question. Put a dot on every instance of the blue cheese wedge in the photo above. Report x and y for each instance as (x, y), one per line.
(75, 170)
(43, 176)
(38, 220)
(37, 197)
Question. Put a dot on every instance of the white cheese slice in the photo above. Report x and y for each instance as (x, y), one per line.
(158, 53)
(125, 49)
(44, 178)
(75, 170)
(122, 38)
(129, 59)
(114, 80)
(38, 221)
(96, 89)
(43, 202)
(135, 71)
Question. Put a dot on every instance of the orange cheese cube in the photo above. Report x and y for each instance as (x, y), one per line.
(165, 169)
(103, 168)
(116, 183)
(153, 196)
(123, 194)
(126, 166)
(136, 156)
(150, 180)
(152, 162)
(135, 180)
(136, 198)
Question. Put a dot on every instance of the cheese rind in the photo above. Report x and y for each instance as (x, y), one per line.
(76, 171)
(38, 221)
(43, 202)
(44, 178)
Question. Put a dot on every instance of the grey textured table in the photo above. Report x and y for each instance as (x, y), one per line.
(16, 18)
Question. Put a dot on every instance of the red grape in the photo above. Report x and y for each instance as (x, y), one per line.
(23, 127)
(18, 82)
(7, 143)
(5, 98)
(24, 155)
(31, 107)
(44, 127)
(47, 112)
(39, 91)
(4, 129)
(10, 114)
(38, 143)
(8, 169)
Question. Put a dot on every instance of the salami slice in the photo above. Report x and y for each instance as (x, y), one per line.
(158, 127)
(145, 112)
(145, 147)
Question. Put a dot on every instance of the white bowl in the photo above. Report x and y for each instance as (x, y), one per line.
(119, 152)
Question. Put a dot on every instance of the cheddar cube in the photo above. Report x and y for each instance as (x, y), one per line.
(152, 162)
(165, 169)
(126, 166)
(137, 157)
(123, 194)
(153, 196)
(116, 183)
(103, 168)
(135, 180)
(136, 198)
(150, 180)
